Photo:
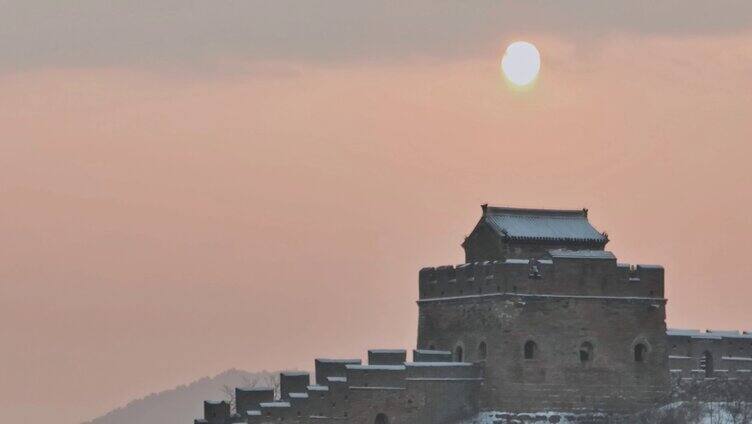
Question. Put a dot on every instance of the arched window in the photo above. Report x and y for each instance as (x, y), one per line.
(458, 354)
(706, 363)
(381, 419)
(586, 352)
(531, 349)
(482, 351)
(640, 351)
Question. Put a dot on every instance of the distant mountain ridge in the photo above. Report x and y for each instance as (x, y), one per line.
(180, 405)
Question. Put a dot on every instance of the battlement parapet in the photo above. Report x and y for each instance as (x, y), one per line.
(559, 272)
(275, 404)
(709, 334)
(296, 395)
(463, 279)
(710, 353)
(249, 398)
(298, 400)
(216, 412)
(293, 381)
(333, 381)
(425, 355)
(279, 410)
(387, 356)
(732, 334)
(376, 375)
(332, 368)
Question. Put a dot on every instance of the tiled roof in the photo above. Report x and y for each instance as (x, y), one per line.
(543, 224)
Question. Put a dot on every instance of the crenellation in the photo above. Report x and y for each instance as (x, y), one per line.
(559, 275)
(465, 272)
(427, 280)
(446, 274)
(276, 410)
(293, 382)
(216, 412)
(386, 356)
(249, 398)
(426, 355)
(651, 276)
(332, 368)
(401, 389)
(515, 272)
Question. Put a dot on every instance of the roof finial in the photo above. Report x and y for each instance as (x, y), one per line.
(584, 210)
(484, 206)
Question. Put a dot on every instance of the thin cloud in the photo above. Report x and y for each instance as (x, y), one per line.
(41, 34)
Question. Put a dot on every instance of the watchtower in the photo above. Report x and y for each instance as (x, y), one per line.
(555, 320)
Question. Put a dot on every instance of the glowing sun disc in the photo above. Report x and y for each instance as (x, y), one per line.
(521, 63)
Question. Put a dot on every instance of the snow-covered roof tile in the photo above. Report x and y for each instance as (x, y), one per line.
(542, 224)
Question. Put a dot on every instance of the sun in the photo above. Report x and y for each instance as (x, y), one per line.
(521, 63)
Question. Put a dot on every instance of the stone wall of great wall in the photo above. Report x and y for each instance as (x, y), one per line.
(544, 324)
(531, 321)
(431, 389)
(434, 388)
(475, 324)
(710, 354)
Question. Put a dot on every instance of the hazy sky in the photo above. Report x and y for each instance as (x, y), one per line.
(190, 186)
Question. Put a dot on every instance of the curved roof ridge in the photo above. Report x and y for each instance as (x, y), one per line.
(499, 210)
(543, 224)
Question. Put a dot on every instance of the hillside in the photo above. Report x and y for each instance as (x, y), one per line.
(181, 404)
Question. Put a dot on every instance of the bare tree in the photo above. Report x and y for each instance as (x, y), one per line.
(262, 379)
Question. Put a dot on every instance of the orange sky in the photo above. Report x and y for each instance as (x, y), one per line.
(163, 226)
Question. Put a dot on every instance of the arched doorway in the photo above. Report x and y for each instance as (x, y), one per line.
(482, 351)
(586, 352)
(458, 354)
(381, 419)
(640, 351)
(531, 349)
(706, 363)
